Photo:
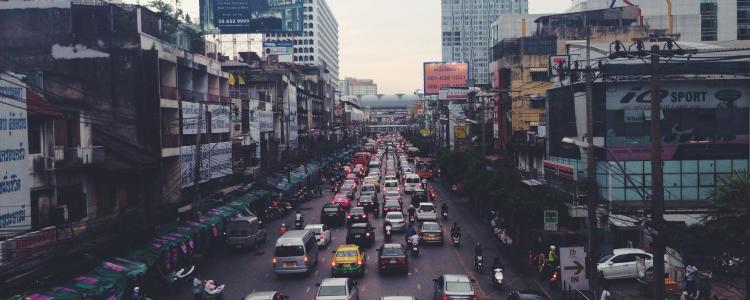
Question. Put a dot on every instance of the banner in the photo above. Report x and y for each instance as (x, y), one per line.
(15, 197)
(266, 121)
(220, 118)
(221, 159)
(440, 75)
(189, 118)
(453, 94)
(283, 50)
(253, 16)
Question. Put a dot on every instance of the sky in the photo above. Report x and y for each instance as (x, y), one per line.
(388, 40)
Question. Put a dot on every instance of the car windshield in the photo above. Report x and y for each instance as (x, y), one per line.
(412, 180)
(605, 258)
(287, 251)
(357, 211)
(430, 226)
(394, 217)
(332, 291)
(392, 251)
(461, 287)
(427, 208)
(346, 253)
(346, 189)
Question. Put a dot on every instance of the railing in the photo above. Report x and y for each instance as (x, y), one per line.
(170, 141)
(168, 92)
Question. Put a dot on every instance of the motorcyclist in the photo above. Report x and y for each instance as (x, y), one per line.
(137, 294)
(409, 231)
(455, 230)
(298, 216)
(496, 264)
(283, 229)
(411, 211)
(477, 250)
(444, 207)
(414, 240)
(387, 228)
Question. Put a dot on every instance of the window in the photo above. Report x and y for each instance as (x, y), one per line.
(709, 23)
(539, 76)
(35, 136)
(625, 258)
(743, 19)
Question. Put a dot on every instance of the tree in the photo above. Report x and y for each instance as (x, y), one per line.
(731, 216)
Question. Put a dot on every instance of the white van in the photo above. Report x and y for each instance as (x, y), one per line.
(296, 252)
(412, 182)
(390, 185)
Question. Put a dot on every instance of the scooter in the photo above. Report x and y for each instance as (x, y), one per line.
(376, 211)
(554, 279)
(456, 239)
(411, 219)
(415, 249)
(497, 278)
(445, 215)
(479, 264)
(388, 235)
(298, 224)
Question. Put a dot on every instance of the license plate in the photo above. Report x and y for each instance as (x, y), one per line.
(346, 265)
(290, 264)
(357, 236)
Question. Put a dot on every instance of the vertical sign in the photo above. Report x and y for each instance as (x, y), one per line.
(220, 118)
(550, 220)
(573, 265)
(191, 111)
(15, 198)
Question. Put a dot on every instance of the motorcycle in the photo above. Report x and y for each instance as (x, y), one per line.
(554, 279)
(497, 277)
(388, 235)
(456, 239)
(376, 211)
(479, 264)
(445, 215)
(412, 219)
(414, 248)
(298, 224)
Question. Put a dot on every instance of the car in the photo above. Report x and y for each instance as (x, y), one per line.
(362, 234)
(322, 233)
(368, 189)
(273, 295)
(333, 214)
(419, 196)
(454, 286)
(367, 201)
(431, 232)
(337, 289)
(392, 196)
(392, 257)
(426, 211)
(348, 260)
(391, 205)
(398, 298)
(348, 190)
(372, 180)
(411, 182)
(397, 220)
(357, 215)
(527, 295)
(391, 185)
(352, 176)
(342, 199)
(622, 263)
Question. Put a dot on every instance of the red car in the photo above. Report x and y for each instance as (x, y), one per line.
(342, 200)
(392, 257)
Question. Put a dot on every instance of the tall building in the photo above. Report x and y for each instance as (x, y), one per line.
(692, 20)
(319, 42)
(358, 87)
(466, 31)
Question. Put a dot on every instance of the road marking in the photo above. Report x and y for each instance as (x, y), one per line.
(482, 294)
(419, 286)
(307, 290)
(416, 270)
(316, 272)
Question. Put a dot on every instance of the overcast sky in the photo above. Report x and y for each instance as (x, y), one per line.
(387, 40)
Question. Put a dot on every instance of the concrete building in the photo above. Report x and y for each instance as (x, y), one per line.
(465, 32)
(512, 26)
(357, 87)
(692, 20)
(319, 42)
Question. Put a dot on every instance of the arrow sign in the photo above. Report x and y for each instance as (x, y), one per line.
(578, 267)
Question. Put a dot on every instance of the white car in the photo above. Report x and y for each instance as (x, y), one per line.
(390, 185)
(337, 289)
(622, 263)
(322, 233)
(412, 182)
(426, 211)
(396, 218)
(390, 177)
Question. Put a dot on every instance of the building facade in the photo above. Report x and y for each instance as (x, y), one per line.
(358, 87)
(465, 32)
(318, 44)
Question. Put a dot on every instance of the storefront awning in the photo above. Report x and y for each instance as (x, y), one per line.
(623, 221)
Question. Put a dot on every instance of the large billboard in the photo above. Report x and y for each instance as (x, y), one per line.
(440, 75)
(698, 118)
(253, 16)
(282, 50)
(15, 197)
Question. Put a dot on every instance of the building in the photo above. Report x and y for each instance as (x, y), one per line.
(692, 20)
(465, 31)
(390, 109)
(512, 26)
(357, 87)
(318, 44)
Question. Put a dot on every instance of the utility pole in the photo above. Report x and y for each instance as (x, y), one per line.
(198, 157)
(657, 186)
(592, 191)
(483, 100)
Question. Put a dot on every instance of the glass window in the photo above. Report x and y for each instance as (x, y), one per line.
(689, 180)
(618, 194)
(670, 166)
(633, 194)
(634, 167)
(739, 165)
(671, 193)
(672, 180)
(709, 24)
(689, 193)
(647, 167)
(706, 166)
(689, 166)
(618, 181)
(707, 180)
(635, 181)
(647, 179)
(723, 166)
(706, 193)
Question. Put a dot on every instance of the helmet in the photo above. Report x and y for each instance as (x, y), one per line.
(552, 248)
(479, 245)
(136, 289)
(283, 224)
(411, 206)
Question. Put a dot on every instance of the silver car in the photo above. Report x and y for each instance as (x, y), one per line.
(454, 286)
(398, 223)
(337, 289)
(426, 211)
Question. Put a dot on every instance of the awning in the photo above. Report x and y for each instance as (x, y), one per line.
(38, 106)
(688, 219)
(624, 222)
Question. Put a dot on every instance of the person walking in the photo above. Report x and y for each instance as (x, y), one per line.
(606, 295)
(197, 288)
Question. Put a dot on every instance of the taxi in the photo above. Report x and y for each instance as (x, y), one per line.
(348, 260)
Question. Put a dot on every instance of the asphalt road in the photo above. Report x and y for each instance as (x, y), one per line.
(245, 272)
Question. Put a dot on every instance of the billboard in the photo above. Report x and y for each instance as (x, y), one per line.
(220, 118)
(440, 75)
(190, 112)
(216, 161)
(697, 117)
(282, 50)
(15, 197)
(453, 94)
(253, 16)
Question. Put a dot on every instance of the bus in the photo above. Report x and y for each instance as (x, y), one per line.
(362, 158)
(424, 167)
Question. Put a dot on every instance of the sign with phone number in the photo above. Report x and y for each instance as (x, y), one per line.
(232, 16)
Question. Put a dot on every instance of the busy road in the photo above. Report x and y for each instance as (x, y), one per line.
(247, 271)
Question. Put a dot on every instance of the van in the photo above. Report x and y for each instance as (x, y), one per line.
(374, 164)
(412, 182)
(390, 185)
(296, 252)
(245, 232)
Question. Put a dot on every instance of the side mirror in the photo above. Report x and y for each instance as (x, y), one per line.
(610, 263)
(356, 283)
(317, 284)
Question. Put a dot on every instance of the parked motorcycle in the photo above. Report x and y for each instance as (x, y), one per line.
(479, 264)
(497, 278)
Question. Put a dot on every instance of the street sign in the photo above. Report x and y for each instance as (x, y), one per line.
(573, 265)
(550, 220)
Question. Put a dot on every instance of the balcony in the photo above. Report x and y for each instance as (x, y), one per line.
(168, 92)
(79, 156)
(170, 145)
(186, 95)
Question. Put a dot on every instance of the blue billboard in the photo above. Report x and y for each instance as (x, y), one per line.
(253, 16)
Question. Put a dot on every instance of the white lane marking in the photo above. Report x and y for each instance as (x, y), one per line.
(416, 270)
(307, 290)
(408, 274)
(419, 286)
(316, 272)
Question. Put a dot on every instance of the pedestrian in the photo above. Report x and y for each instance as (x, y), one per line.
(606, 295)
(690, 273)
(197, 288)
(629, 244)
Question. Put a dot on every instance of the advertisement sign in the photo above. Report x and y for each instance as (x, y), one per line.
(254, 16)
(550, 220)
(290, 115)
(453, 94)
(573, 267)
(216, 161)
(459, 132)
(440, 75)
(457, 112)
(696, 117)
(26, 245)
(283, 50)
(15, 198)
(266, 121)
(221, 159)
(190, 113)
(220, 118)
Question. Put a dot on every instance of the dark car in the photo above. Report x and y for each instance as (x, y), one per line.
(392, 257)
(333, 214)
(392, 205)
(357, 215)
(527, 295)
(361, 234)
(367, 201)
(419, 196)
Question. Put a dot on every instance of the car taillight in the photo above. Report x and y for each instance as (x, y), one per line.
(333, 264)
(348, 216)
(359, 262)
(306, 258)
(274, 260)
(445, 297)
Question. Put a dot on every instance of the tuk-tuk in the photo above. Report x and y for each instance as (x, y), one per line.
(245, 232)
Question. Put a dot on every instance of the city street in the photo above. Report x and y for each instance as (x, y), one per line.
(248, 271)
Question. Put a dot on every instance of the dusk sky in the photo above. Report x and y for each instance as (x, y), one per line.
(387, 40)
